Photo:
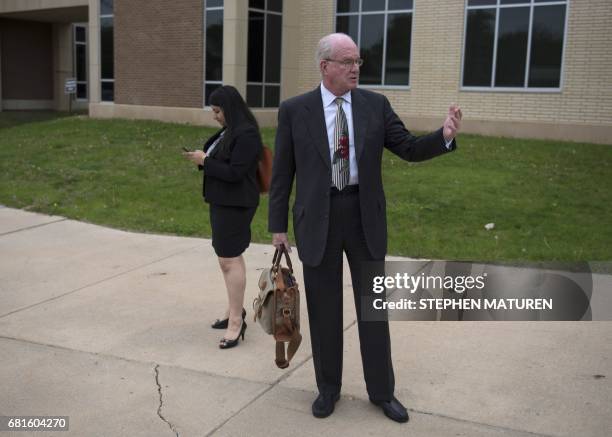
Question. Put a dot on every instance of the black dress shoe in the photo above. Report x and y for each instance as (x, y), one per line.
(323, 405)
(226, 344)
(222, 324)
(393, 409)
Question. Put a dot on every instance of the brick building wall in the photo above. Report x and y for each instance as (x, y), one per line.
(158, 53)
(317, 19)
(27, 60)
(585, 98)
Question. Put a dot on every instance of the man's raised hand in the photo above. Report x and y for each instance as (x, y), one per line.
(452, 123)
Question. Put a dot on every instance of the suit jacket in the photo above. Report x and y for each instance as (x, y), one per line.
(302, 152)
(229, 175)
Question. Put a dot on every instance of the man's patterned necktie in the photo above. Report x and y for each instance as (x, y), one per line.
(340, 163)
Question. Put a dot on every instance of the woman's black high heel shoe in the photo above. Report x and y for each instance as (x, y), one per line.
(222, 324)
(226, 344)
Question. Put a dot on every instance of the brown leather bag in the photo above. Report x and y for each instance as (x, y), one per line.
(264, 170)
(277, 307)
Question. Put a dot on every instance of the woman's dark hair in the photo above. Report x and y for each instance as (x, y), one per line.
(236, 112)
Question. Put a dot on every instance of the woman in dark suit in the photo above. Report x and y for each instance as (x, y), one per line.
(229, 161)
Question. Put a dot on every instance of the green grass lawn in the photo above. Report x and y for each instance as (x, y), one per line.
(549, 200)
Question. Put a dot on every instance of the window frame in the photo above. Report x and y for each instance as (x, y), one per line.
(264, 84)
(76, 43)
(205, 81)
(525, 88)
(101, 17)
(386, 13)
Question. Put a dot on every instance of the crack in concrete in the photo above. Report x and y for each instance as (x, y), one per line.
(482, 424)
(309, 357)
(161, 402)
(283, 377)
(129, 360)
(264, 391)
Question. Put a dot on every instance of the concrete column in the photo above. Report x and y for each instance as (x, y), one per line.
(62, 64)
(93, 47)
(290, 49)
(235, 43)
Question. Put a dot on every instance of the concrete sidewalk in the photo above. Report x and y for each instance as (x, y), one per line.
(111, 328)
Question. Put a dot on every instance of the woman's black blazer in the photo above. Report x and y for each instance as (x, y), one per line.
(229, 174)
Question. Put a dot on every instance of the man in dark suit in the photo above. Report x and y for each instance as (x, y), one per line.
(331, 140)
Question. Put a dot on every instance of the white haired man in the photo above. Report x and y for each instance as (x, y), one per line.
(331, 141)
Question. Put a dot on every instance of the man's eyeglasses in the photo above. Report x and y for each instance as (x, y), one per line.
(347, 63)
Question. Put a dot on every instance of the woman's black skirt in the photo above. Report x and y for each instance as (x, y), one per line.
(231, 229)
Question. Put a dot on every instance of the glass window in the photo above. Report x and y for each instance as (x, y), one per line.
(255, 54)
(106, 7)
(273, 48)
(512, 47)
(264, 53)
(107, 67)
(397, 67)
(275, 5)
(348, 6)
(400, 4)
(254, 96)
(80, 34)
(271, 96)
(383, 32)
(80, 60)
(371, 43)
(372, 5)
(108, 91)
(481, 2)
(208, 89)
(508, 45)
(213, 47)
(106, 48)
(348, 24)
(547, 46)
(81, 93)
(479, 46)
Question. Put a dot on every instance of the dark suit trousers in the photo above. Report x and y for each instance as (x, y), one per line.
(323, 285)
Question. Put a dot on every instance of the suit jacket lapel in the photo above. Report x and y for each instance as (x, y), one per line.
(316, 124)
(360, 120)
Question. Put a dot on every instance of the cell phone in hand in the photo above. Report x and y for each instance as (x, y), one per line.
(187, 150)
